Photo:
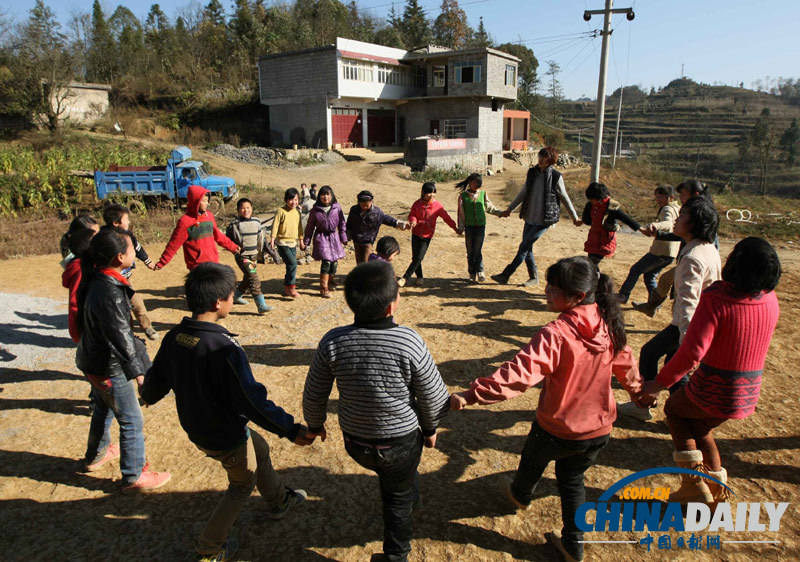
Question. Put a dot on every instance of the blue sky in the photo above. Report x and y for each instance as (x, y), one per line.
(726, 41)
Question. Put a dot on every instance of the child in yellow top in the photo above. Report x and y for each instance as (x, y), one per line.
(286, 236)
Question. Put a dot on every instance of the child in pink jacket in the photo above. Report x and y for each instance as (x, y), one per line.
(575, 356)
(422, 218)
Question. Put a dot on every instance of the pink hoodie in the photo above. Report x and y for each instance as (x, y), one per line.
(426, 216)
(574, 357)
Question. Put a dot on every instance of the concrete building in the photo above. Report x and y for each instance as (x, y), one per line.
(81, 103)
(359, 94)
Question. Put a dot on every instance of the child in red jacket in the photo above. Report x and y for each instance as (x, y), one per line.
(575, 356)
(78, 244)
(601, 214)
(197, 232)
(422, 219)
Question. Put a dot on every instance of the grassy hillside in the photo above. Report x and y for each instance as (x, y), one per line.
(694, 130)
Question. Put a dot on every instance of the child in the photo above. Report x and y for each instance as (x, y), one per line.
(306, 204)
(79, 242)
(363, 222)
(216, 395)
(601, 214)
(111, 358)
(386, 250)
(326, 227)
(662, 252)
(422, 219)
(78, 223)
(246, 232)
(119, 216)
(698, 267)
(197, 232)
(473, 204)
(286, 233)
(391, 396)
(575, 356)
(727, 341)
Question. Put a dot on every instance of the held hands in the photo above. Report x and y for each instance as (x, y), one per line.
(577, 222)
(505, 214)
(457, 401)
(648, 395)
(156, 267)
(152, 267)
(304, 438)
(309, 436)
(430, 442)
(302, 245)
(460, 231)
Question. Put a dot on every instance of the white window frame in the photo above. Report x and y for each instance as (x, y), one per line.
(476, 71)
(455, 128)
(358, 71)
(511, 75)
(439, 76)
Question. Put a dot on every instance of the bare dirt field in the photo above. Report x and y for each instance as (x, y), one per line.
(50, 510)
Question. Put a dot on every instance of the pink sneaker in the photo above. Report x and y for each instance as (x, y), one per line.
(112, 453)
(147, 481)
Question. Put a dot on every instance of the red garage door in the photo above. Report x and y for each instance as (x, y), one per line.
(347, 128)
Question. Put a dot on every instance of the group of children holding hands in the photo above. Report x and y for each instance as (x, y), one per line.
(391, 395)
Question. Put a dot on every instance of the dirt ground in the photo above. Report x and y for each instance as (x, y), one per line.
(50, 510)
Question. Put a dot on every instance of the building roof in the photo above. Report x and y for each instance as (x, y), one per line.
(417, 55)
(330, 47)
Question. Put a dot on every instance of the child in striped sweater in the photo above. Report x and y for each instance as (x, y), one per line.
(727, 341)
(391, 396)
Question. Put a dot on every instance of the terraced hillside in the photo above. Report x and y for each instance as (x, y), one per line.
(690, 129)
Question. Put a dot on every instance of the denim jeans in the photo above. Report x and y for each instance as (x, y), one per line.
(573, 458)
(419, 247)
(650, 265)
(474, 236)
(289, 256)
(663, 344)
(530, 234)
(395, 461)
(248, 466)
(115, 397)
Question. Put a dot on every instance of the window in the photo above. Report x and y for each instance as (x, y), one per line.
(439, 76)
(344, 111)
(352, 70)
(467, 72)
(455, 128)
(511, 75)
(400, 76)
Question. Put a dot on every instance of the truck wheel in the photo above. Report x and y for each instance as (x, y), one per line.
(137, 207)
(216, 204)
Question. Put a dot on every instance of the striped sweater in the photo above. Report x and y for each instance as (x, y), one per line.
(388, 383)
(729, 336)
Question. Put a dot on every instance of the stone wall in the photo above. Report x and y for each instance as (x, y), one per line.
(303, 124)
(84, 105)
(418, 157)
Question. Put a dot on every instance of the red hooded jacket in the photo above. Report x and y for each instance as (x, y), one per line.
(197, 233)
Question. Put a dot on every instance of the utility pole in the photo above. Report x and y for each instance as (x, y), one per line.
(600, 106)
(616, 134)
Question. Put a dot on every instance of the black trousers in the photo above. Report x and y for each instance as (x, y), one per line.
(419, 247)
(573, 458)
(395, 462)
(663, 344)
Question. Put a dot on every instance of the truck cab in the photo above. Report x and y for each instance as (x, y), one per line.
(191, 172)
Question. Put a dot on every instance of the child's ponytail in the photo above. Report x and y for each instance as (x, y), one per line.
(579, 275)
(608, 302)
(464, 184)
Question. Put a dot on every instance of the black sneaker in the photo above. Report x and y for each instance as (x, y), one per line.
(228, 550)
(291, 498)
(555, 539)
(500, 278)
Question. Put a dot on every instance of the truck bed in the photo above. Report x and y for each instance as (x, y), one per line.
(118, 168)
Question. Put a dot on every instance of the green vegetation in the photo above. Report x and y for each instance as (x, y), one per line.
(37, 172)
(437, 175)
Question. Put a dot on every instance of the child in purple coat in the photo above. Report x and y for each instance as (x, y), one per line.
(326, 227)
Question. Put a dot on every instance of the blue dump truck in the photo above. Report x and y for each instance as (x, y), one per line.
(144, 184)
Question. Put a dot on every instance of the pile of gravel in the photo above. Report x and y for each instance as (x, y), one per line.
(274, 157)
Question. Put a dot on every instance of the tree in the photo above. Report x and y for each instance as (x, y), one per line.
(481, 37)
(790, 140)
(45, 65)
(555, 91)
(130, 40)
(415, 27)
(100, 65)
(762, 138)
(451, 26)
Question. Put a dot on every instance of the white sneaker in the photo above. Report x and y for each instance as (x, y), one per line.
(401, 282)
(481, 277)
(631, 410)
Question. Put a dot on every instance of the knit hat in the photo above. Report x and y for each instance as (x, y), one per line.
(364, 196)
